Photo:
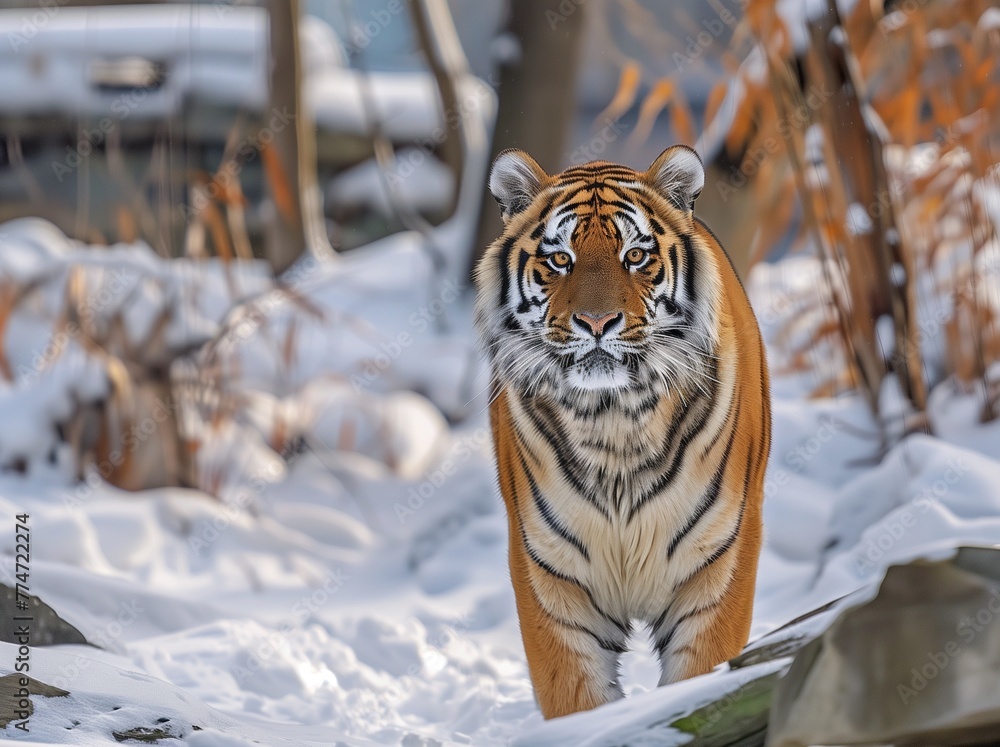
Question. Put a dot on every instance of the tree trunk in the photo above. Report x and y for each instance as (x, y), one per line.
(298, 225)
(537, 91)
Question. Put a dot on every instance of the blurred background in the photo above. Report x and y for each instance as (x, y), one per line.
(237, 365)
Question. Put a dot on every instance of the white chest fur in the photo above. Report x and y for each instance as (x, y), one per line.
(612, 492)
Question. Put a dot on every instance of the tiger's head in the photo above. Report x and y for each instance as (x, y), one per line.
(602, 280)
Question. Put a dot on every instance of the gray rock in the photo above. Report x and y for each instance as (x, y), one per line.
(46, 627)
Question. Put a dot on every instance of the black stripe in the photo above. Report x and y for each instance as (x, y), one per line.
(673, 309)
(627, 195)
(549, 516)
(764, 398)
(522, 262)
(612, 171)
(670, 474)
(643, 238)
(663, 616)
(595, 187)
(643, 407)
(569, 466)
(734, 401)
(612, 646)
(570, 580)
(519, 436)
(504, 259)
(657, 459)
(604, 404)
(606, 448)
(571, 206)
(537, 559)
(711, 493)
(751, 463)
(664, 641)
(646, 206)
(612, 226)
(672, 258)
(675, 465)
(511, 484)
(689, 268)
(624, 206)
(730, 540)
(570, 214)
(721, 549)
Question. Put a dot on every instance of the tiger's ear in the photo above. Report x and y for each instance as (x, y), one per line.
(515, 180)
(679, 175)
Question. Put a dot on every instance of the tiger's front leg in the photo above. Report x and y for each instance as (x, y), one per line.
(572, 668)
(703, 627)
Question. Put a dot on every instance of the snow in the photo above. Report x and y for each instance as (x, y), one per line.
(212, 53)
(321, 47)
(990, 19)
(859, 223)
(405, 105)
(347, 582)
(797, 15)
(416, 179)
(47, 64)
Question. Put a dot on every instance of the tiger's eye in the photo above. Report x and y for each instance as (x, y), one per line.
(635, 256)
(560, 259)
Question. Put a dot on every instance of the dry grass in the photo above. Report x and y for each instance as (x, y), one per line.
(887, 128)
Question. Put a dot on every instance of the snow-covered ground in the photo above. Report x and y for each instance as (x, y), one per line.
(348, 582)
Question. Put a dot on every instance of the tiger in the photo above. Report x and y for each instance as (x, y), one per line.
(631, 423)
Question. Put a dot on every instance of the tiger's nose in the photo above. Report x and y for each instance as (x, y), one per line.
(596, 324)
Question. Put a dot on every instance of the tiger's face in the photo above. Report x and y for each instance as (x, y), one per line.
(599, 281)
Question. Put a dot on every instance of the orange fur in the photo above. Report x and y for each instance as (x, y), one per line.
(633, 488)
